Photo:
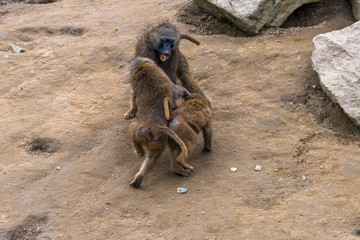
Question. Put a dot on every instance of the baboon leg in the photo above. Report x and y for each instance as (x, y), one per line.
(149, 162)
(133, 129)
(188, 136)
(207, 135)
(174, 166)
(131, 113)
(190, 144)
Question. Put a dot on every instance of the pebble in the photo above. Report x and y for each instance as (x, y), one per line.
(181, 190)
(258, 168)
(16, 49)
(233, 169)
(303, 178)
(58, 168)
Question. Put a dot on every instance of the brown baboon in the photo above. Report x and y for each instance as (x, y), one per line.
(150, 134)
(161, 44)
(187, 121)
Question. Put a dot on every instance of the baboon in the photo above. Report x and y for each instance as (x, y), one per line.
(193, 116)
(150, 134)
(161, 44)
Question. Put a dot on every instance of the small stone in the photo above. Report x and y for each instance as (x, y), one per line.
(233, 169)
(303, 178)
(258, 168)
(181, 190)
(16, 49)
(46, 54)
(58, 168)
(314, 86)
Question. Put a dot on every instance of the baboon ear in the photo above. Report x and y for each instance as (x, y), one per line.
(167, 108)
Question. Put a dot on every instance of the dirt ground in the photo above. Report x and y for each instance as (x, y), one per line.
(66, 160)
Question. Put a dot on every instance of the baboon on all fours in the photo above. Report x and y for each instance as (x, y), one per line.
(150, 134)
(161, 44)
(193, 116)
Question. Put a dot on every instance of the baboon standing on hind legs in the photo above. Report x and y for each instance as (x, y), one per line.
(161, 44)
(150, 134)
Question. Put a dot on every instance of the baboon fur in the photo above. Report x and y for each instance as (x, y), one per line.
(150, 45)
(193, 116)
(150, 134)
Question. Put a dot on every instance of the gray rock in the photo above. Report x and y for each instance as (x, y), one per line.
(253, 15)
(356, 8)
(336, 60)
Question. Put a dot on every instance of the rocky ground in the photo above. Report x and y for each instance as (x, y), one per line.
(66, 160)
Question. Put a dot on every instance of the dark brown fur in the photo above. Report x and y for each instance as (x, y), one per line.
(175, 66)
(150, 135)
(188, 120)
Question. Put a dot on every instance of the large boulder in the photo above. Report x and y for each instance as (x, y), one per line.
(252, 15)
(356, 8)
(336, 59)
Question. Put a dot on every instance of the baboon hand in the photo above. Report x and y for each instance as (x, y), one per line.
(136, 182)
(131, 113)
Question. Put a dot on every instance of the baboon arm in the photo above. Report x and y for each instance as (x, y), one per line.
(179, 91)
(207, 135)
(131, 113)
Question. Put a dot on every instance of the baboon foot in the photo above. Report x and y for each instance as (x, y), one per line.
(185, 165)
(131, 113)
(206, 149)
(140, 152)
(136, 182)
(181, 171)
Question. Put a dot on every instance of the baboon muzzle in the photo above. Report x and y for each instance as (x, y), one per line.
(165, 51)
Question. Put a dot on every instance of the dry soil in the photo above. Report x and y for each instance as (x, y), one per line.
(66, 161)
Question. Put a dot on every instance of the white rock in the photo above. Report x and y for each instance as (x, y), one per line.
(336, 60)
(303, 178)
(58, 168)
(233, 169)
(16, 49)
(356, 8)
(253, 15)
(258, 168)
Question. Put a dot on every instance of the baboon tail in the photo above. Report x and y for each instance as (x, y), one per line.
(167, 108)
(190, 38)
(176, 138)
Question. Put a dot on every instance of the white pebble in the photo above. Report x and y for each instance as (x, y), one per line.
(58, 168)
(303, 178)
(258, 168)
(181, 190)
(233, 169)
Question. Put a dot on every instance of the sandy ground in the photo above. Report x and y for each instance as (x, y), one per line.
(66, 160)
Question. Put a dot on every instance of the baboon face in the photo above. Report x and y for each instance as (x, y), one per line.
(166, 45)
(164, 41)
